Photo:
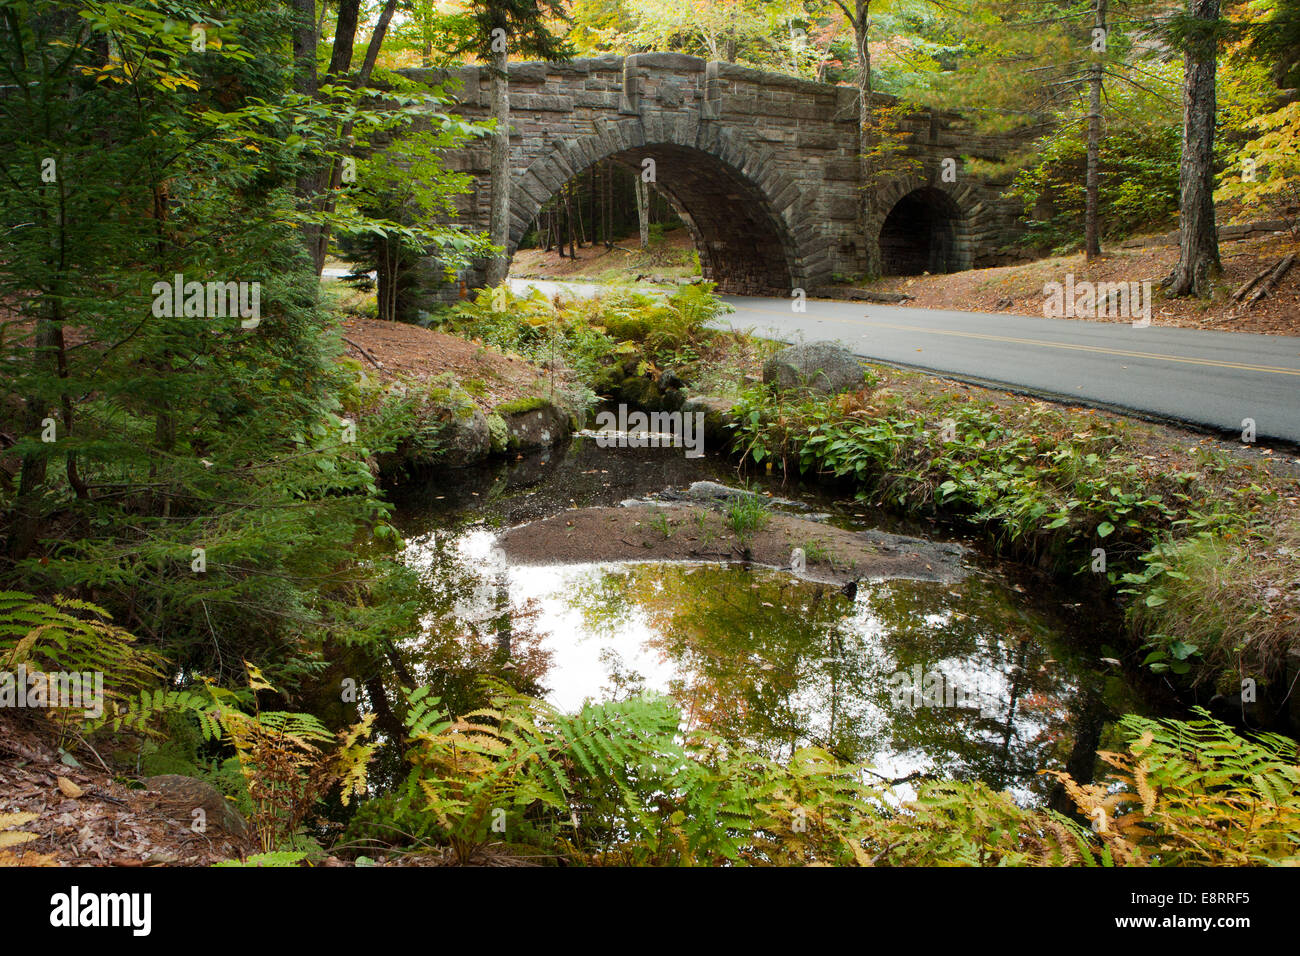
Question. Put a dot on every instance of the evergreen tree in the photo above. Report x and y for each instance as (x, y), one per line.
(183, 459)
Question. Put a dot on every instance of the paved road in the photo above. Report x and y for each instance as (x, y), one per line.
(1213, 379)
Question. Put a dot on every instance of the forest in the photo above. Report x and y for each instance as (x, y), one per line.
(312, 553)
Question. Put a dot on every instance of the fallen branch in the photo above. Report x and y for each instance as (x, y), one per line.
(1250, 283)
(1273, 279)
(365, 354)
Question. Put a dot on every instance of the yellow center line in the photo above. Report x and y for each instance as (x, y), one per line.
(1276, 370)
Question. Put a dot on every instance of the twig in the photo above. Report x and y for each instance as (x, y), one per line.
(365, 354)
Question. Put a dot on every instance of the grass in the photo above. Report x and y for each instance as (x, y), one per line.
(1235, 604)
(746, 514)
(663, 526)
(814, 551)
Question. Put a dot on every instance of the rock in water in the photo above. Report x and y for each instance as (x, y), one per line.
(824, 367)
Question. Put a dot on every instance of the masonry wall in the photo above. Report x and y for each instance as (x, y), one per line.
(763, 167)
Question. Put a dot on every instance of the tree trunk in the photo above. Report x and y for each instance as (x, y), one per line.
(643, 210)
(345, 36)
(592, 214)
(867, 141)
(333, 177)
(1198, 247)
(574, 222)
(1092, 228)
(376, 41)
(608, 205)
(304, 82)
(499, 211)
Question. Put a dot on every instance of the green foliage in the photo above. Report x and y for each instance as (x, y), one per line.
(1194, 793)
(1229, 599)
(615, 784)
(746, 514)
(407, 188)
(1039, 484)
(1139, 185)
(274, 858)
(1264, 173)
(177, 432)
(586, 335)
(70, 636)
(618, 784)
(969, 824)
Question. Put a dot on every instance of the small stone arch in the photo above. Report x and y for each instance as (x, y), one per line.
(743, 213)
(923, 225)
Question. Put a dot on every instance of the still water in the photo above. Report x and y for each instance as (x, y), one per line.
(989, 678)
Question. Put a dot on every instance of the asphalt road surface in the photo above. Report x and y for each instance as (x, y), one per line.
(1209, 379)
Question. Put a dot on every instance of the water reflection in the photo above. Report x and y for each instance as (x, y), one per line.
(754, 655)
(762, 657)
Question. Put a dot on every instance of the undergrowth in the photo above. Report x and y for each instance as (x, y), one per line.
(1062, 489)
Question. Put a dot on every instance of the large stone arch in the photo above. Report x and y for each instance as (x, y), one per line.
(741, 210)
(945, 222)
(755, 162)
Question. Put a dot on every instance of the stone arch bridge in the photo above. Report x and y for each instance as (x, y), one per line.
(763, 168)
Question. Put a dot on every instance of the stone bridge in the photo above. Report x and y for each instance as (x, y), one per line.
(763, 168)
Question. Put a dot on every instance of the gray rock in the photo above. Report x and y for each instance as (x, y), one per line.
(468, 437)
(823, 367)
(713, 491)
(537, 427)
(187, 794)
(717, 417)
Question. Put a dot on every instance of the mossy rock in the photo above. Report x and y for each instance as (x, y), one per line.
(526, 403)
(641, 392)
(535, 424)
(718, 418)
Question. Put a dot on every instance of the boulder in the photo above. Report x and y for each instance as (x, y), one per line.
(533, 423)
(824, 367)
(184, 795)
(717, 417)
(467, 437)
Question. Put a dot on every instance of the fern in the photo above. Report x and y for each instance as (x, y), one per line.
(274, 858)
(73, 636)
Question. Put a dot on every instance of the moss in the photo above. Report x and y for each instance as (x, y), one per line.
(608, 379)
(498, 432)
(525, 403)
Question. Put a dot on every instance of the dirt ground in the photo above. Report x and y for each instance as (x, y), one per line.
(84, 816)
(394, 349)
(1019, 288)
(668, 257)
(649, 532)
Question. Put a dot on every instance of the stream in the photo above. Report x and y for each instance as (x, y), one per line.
(990, 677)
